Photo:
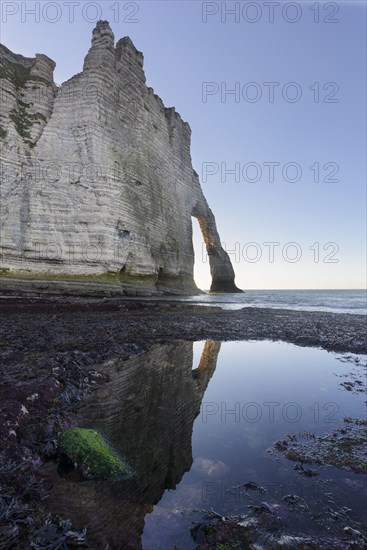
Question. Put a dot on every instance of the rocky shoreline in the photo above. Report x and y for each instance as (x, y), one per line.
(106, 326)
(52, 350)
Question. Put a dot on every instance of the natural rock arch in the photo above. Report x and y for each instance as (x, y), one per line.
(100, 170)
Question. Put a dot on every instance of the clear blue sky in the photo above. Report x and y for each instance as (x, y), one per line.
(182, 52)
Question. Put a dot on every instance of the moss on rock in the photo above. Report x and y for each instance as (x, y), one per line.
(91, 455)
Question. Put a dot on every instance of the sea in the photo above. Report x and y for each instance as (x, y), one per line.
(335, 301)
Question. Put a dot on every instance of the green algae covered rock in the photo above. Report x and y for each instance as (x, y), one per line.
(90, 454)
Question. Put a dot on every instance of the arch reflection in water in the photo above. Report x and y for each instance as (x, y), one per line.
(147, 412)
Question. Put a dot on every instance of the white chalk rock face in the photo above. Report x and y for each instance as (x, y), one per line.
(96, 175)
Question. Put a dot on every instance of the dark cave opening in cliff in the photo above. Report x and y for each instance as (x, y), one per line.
(202, 274)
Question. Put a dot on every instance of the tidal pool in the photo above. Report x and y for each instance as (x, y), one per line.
(196, 422)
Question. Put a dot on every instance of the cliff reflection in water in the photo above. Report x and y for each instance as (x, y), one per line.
(147, 412)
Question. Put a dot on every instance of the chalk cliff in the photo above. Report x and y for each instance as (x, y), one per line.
(96, 175)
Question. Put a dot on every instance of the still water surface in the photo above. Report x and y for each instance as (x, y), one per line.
(195, 422)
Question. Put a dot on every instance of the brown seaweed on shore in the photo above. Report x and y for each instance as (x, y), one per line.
(344, 447)
(35, 399)
(263, 527)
